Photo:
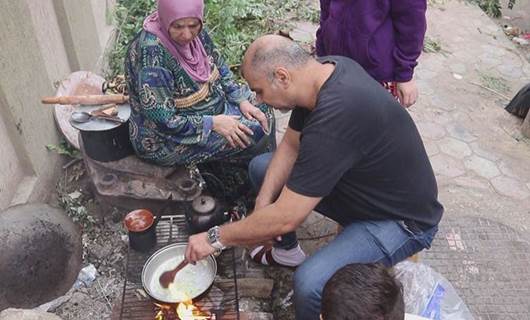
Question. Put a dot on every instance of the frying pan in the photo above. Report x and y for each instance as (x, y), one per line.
(189, 283)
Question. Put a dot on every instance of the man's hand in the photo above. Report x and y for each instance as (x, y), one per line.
(251, 112)
(407, 92)
(198, 247)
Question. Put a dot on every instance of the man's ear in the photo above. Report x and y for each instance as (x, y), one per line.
(321, 317)
(282, 76)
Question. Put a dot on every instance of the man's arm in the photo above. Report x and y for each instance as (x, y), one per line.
(279, 168)
(278, 218)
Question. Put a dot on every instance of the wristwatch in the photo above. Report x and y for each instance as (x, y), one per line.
(214, 238)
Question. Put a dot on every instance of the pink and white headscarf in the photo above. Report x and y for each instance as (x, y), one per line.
(192, 57)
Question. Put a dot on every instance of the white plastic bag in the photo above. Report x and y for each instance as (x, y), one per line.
(429, 294)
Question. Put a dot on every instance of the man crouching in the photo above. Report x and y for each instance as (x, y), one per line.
(351, 152)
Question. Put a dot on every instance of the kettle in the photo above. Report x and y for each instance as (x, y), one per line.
(205, 212)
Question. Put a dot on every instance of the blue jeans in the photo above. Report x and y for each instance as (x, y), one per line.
(361, 241)
(256, 173)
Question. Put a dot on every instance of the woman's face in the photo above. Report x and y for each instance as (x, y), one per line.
(184, 30)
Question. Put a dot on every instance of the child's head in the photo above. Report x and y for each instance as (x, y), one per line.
(363, 292)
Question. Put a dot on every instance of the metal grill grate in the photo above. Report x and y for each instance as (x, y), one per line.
(221, 300)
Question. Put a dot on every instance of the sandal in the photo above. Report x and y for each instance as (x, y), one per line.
(263, 255)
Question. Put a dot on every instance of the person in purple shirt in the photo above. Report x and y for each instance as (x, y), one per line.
(385, 37)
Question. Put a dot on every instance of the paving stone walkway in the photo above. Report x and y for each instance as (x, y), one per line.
(487, 262)
(481, 161)
(480, 158)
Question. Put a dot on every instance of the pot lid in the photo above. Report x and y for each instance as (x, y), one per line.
(95, 124)
(203, 204)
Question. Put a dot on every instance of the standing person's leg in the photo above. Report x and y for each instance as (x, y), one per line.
(290, 252)
(384, 241)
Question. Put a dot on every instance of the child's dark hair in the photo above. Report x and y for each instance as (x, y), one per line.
(363, 292)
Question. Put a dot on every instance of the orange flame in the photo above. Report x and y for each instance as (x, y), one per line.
(184, 310)
(187, 311)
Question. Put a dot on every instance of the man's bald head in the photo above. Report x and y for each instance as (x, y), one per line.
(269, 52)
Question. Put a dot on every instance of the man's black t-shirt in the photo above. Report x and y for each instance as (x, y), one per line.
(360, 150)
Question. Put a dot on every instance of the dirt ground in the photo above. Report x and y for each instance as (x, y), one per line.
(104, 246)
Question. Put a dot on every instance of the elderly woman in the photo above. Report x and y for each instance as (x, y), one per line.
(186, 107)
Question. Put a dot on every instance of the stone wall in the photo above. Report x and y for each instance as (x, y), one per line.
(42, 42)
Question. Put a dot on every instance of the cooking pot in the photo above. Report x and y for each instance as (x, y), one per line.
(190, 282)
(105, 140)
(141, 227)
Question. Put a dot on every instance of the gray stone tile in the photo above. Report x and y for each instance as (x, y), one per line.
(492, 50)
(510, 71)
(507, 170)
(447, 166)
(424, 89)
(472, 182)
(424, 74)
(442, 102)
(431, 130)
(480, 151)
(441, 117)
(431, 147)
(526, 68)
(483, 167)
(458, 68)
(488, 61)
(462, 55)
(459, 132)
(510, 187)
(454, 148)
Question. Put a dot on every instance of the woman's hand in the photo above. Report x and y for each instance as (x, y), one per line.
(236, 133)
(251, 112)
